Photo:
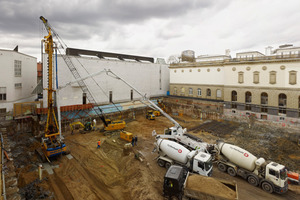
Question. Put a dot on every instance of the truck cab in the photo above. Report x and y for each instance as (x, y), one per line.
(277, 175)
(174, 181)
(202, 164)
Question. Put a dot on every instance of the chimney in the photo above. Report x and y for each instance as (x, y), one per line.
(16, 48)
(268, 51)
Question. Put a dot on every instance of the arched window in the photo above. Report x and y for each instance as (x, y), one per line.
(282, 103)
(190, 91)
(219, 93)
(182, 91)
(264, 102)
(208, 92)
(233, 95)
(199, 92)
(248, 100)
(299, 103)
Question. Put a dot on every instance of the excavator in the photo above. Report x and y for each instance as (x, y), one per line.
(109, 125)
(51, 144)
(87, 127)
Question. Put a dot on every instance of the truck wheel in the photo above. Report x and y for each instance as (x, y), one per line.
(267, 187)
(161, 163)
(252, 180)
(222, 167)
(168, 165)
(231, 171)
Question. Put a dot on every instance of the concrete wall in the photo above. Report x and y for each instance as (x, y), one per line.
(28, 78)
(149, 78)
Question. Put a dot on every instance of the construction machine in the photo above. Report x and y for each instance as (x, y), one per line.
(126, 136)
(150, 115)
(109, 125)
(51, 144)
(86, 127)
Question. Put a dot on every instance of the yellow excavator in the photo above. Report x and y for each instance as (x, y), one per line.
(88, 126)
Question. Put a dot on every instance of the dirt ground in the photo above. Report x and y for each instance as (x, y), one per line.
(108, 173)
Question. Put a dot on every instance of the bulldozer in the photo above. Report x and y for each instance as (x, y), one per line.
(150, 115)
(86, 127)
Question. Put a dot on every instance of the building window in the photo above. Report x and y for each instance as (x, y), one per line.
(264, 102)
(199, 92)
(175, 91)
(18, 68)
(219, 94)
(241, 77)
(2, 93)
(272, 77)
(293, 77)
(110, 97)
(256, 77)
(248, 100)
(2, 110)
(282, 103)
(233, 95)
(182, 91)
(83, 98)
(131, 95)
(18, 85)
(208, 92)
(190, 91)
(299, 106)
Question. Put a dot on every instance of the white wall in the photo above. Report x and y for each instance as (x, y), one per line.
(282, 75)
(28, 78)
(213, 77)
(144, 76)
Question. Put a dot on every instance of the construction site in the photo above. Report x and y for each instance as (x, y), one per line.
(158, 147)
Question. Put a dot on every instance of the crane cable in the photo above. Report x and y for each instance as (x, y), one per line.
(60, 40)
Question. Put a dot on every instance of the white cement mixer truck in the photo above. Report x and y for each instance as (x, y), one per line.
(271, 177)
(171, 152)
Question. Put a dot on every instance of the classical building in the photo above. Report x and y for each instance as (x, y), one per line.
(18, 77)
(141, 72)
(266, 86)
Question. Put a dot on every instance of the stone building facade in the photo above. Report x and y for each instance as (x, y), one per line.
(267, 87)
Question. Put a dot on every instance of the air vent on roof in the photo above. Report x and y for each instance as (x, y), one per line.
(274, 164)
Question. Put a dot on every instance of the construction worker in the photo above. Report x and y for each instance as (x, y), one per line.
(99, 144)
(132, 142)
(94, 124)
(135, 140)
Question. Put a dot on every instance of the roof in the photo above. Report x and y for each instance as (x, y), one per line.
(17, 52)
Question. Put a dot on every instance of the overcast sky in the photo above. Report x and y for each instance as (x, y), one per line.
(154, 28)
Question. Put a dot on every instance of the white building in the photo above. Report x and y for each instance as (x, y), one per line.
(147, 77)
(252, 83)
(18, 77)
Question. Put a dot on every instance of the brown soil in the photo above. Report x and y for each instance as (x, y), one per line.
(107, 173)
(203, 185)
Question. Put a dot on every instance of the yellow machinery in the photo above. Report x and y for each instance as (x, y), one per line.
(156, 113)
(51, 145)
(114, 125)
(126, 136)
(86, 127)
(150, 115)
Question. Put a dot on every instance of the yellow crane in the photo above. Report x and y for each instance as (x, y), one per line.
(51, 145)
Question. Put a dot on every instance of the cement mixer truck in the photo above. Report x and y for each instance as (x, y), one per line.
(171, 152)
(271, 177)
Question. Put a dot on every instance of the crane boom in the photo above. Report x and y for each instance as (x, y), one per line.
(75, 73)
(177, 125)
